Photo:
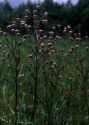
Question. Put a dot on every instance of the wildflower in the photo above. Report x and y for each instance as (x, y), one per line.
(72, 48)
(52, 50)
(86, 38)
(40, 31)
(9, 26)
(34, 11)
(40, 50)
(30, 61)
(45, 37)
(70, 78)
(26, 17)
(49, 53)
(44, 21)
(25, 25)
(87, 48)
(58, 37)
(65, 54)
(49, 44)
(29, 110)
(4, 33)
(64, 31)
(70, 31)
(16, 31)
(34, 16)
(17, 19)
(60, 76)
(29, 26)
(65, 28)
(37, 7)
(71, 38)
(46, 62)
(42, 44)
(27, 11)
(13, 25)
(76, 46)
(45, 14)
(13, 22)
(18, 34)
(13, 30)
(78, 38)
(53, 28)
(59, 25)
(69, 27)
(51, 32)
(20, 76)
(53, 66)
(30, 56)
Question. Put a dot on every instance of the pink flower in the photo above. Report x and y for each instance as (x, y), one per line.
(45, 14)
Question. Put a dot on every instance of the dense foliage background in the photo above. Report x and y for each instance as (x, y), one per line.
(77, 16)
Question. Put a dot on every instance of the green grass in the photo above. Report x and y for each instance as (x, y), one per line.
(61, 100)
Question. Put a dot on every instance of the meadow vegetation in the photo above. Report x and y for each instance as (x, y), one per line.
(44, 75)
